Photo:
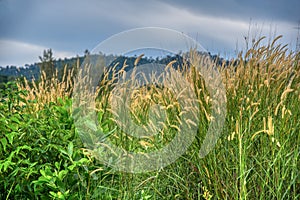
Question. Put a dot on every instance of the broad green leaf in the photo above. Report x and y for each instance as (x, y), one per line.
(71, 167)
(52, 185)
(62, 174)
(43, 172)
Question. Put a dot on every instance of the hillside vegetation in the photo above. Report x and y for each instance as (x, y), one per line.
(256, 156)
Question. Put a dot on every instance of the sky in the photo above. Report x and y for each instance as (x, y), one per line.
(70, 27)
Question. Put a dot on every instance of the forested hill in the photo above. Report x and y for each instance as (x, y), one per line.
(32, 71)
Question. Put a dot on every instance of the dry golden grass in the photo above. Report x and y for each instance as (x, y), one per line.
(47, 90)
(259, 83)
(265, 75)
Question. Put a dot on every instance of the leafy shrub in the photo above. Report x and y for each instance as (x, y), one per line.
(40, 155)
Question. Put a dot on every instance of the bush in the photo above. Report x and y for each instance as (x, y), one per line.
(40, 155)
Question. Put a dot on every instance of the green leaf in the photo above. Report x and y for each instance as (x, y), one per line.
(62, 174)
(60, 101)
(71, 167)
(57, 165)
(4, 143)
(7, 164)
(19, 148)
(53, 194)
(63, 151)
(83, 160)
(10, 137)
(13, 127)
(70, 149)
(14, 119)
(91, 125)
(104, 136)
(43, 172)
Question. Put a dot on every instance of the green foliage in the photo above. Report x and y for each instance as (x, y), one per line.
(40, 156)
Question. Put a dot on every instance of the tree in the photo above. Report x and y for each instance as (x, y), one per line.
(86, 52)
(47, 63)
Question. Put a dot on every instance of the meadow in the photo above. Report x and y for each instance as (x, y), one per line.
(42, 155)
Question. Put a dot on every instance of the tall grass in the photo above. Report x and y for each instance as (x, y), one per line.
(47, 90)
(256, 157)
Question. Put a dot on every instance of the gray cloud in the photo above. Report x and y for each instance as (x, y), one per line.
(20, 53)
(281, 10)
(73, 25)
